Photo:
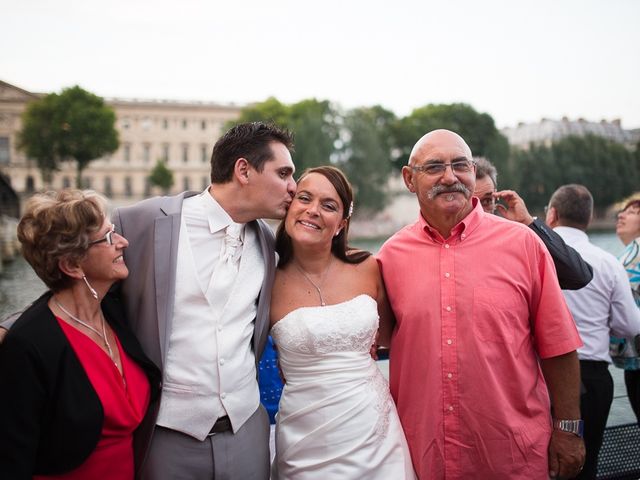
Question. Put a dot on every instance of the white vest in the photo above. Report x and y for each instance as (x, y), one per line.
(210, 366)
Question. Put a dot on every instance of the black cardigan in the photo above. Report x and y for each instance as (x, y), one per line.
(50, 415)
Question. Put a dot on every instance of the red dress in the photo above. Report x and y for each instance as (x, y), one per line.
(124, 400)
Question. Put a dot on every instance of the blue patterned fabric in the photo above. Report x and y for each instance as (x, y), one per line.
(269, 380)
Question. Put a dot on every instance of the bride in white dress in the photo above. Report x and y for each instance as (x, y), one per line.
(336, 418)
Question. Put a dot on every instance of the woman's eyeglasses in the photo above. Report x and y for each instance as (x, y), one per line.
(108, 237)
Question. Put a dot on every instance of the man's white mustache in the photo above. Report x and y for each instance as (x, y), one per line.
(455, 188)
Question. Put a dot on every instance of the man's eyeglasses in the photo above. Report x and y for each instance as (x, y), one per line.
(438, 168)
(108, 237)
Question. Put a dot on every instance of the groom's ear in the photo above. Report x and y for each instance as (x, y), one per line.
(241, 170)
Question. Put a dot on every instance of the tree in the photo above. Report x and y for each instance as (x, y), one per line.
(315, 124)
(606, 168)
(367, 155)
(161, 176)
(74, 125)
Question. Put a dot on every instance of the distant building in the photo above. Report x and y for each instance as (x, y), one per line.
(180, 133)
(549, 131)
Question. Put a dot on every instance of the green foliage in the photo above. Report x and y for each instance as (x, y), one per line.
(608, 169)
(73, 125)
(161, 176)
(312, 121)
(315, 125)
(367, 155)
(271, 111)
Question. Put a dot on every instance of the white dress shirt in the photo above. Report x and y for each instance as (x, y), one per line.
(605, 306)
(210, 365)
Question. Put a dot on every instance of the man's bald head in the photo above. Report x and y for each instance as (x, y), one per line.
(438, 139)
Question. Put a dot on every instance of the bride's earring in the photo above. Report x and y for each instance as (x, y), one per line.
(94, 294)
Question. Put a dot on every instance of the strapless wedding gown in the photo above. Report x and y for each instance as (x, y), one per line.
(336, 419)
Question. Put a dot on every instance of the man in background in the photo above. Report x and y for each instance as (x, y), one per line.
(573, 272)
(602, 308)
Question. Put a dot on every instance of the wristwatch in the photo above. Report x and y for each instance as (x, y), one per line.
(570, 426)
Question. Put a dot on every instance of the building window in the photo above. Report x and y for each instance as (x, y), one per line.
(126, 123)
(146, 123)
(184, 124)
(165, 152)
(127, 152)
(128, 192)
(185, 183)
(30, 187)
(108, 191)
(205, 183)
(203, 125)
(203, 153)
(86, 182)
(5, 154)
(185, 153)
(146, 153)
(66, 182)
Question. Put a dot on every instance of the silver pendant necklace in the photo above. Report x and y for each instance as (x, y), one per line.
(322, 278)
(102, 335)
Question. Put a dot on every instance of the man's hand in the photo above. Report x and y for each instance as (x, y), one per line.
(516, 210)
(566, 455)
(3, 333)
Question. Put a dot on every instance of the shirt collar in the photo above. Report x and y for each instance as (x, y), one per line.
(570, 234)
(462, 229)
(217, 217)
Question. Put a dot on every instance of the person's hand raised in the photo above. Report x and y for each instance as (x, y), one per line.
(515, 209)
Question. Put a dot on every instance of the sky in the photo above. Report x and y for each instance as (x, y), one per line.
(518, 60)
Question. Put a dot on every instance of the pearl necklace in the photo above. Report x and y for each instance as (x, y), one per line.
(102, 335)
(322, 278)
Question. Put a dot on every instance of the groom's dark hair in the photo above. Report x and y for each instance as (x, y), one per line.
(246, 140)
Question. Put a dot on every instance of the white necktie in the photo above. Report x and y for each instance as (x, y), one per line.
(226, 272)
(232, 245)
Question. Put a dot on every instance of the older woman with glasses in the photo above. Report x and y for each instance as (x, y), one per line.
(626, 352)
(74, 381)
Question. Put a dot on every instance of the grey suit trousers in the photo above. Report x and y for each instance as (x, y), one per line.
(223, 456)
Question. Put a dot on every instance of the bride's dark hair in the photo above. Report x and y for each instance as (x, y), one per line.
(339, 246)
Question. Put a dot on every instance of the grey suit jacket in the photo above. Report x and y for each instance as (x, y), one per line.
(152, 228)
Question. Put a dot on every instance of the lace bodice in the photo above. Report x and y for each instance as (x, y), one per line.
(349, 326)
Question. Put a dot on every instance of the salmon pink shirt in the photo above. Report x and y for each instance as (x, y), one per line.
(474, 313)
(124, 402)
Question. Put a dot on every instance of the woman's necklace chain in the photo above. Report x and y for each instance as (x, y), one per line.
(322, 278)
(102, 335)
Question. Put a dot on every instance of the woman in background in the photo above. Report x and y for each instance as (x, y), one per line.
(336, 418)
(626, 352)
(75, 383)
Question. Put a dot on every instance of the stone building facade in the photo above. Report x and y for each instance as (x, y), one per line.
(547, 131)
(180, 133)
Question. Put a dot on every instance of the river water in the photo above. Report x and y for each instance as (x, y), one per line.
(19, 285)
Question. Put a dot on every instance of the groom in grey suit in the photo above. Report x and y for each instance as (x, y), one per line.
(197, 297)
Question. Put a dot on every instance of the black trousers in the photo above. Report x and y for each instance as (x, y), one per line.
(595, 403)
(632, 382)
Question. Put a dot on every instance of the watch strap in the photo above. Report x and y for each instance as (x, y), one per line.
(570, 426)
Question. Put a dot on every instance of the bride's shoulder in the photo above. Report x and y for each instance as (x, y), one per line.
(367, 266)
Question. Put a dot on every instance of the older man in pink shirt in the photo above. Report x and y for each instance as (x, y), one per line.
(483, 336)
